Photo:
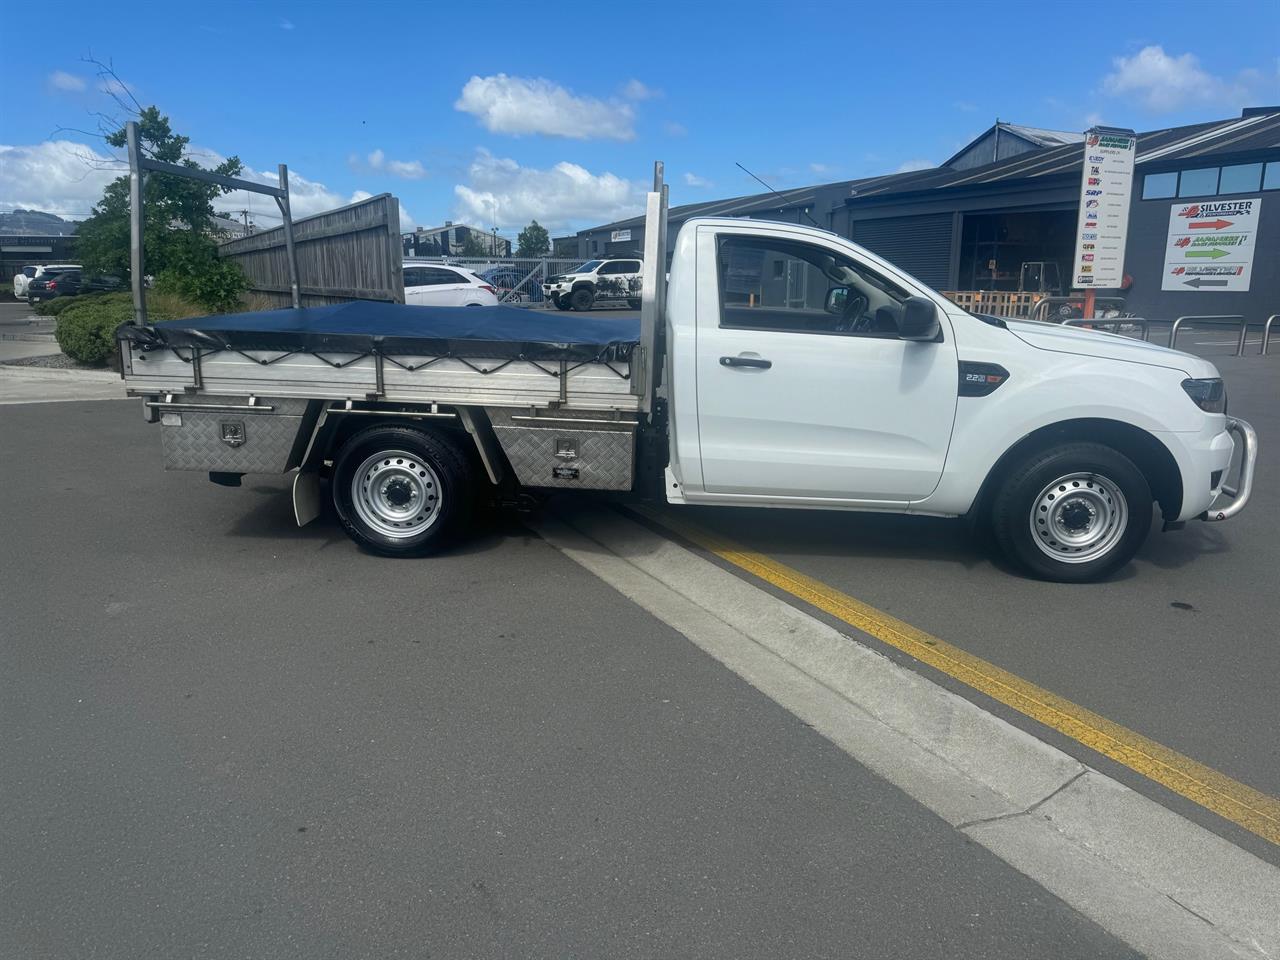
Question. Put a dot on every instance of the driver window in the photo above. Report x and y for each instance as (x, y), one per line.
(784, 285)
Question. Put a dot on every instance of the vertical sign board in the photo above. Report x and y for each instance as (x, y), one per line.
(1210, 245)
(1106, 184)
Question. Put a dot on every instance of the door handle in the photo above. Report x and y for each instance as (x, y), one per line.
(756, 362)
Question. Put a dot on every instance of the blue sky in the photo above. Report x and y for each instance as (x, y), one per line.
(557, 111)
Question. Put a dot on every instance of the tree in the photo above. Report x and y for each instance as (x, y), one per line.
(473, 245)
(534, 241)
(179, 236)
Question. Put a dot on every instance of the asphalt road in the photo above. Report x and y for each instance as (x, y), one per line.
(1180, 646)
(225, 737)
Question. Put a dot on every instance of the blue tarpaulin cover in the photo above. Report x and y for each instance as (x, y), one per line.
(366, 326)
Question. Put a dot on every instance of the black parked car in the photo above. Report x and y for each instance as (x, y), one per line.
(68, 283)
(508, 278)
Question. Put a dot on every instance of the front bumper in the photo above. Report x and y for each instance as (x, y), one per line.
(1244, 436)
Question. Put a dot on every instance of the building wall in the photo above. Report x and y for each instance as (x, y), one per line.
(1145, 259)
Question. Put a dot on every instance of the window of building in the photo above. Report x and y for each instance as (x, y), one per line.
(793, 287)
(1271, 177)
(1158, 186)
(1241, 178)
(1198, 183)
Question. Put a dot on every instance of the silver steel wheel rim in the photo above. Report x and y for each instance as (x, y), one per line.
(396, 493)
(1078, 518)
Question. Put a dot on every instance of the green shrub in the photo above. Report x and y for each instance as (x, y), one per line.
(56, 306)
(86, 330)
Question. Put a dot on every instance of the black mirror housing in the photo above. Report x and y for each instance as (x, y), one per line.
(837, 297)
(919, 319)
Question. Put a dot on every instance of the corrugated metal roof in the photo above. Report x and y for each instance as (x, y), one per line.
(1177, 143)
(1238, 134)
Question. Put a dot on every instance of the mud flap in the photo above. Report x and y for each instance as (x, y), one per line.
(306, 496)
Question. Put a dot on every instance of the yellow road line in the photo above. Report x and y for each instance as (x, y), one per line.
(1241, 804)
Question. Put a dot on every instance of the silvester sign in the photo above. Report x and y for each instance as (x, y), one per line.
(1210, 245)
(1106, 184)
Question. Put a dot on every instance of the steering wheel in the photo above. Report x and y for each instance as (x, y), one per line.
(854, 318)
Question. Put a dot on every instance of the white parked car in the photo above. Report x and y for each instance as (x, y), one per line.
(597, 281)
(34, 272)
(435, 285)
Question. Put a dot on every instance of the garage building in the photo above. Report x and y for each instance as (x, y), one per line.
(1011, 197)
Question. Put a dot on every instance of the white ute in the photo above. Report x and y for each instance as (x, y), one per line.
(782, 366)
(597, 281)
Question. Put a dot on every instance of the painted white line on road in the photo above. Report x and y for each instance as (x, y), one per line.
(1159, 882)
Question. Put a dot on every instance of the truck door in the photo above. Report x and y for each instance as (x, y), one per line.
(804, 390)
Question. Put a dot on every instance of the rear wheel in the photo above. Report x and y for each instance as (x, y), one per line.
(581, 299)
(401, 491)
(1073, 513)
(633, 304)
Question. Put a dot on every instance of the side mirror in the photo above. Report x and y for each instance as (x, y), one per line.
(837, 299)
(919, 319)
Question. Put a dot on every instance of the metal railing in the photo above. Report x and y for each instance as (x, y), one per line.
(1215, 320)
(518, 279)
(1266, 334)
(1115, 322)
(1041, 310)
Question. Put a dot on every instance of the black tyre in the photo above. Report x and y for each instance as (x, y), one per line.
(401, 491)
(560, 302)
(1073, 513)
(633, 304)
(582, 299)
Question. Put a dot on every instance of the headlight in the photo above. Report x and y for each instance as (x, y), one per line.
(1210, 394)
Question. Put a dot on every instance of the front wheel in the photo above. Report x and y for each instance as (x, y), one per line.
(401, 491)
(560, 302)
(1073, 513)
(581, 299)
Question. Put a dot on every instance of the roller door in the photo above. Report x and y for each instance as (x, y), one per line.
(919, 245)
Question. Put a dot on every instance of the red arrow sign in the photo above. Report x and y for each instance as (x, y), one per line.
(1209, 224)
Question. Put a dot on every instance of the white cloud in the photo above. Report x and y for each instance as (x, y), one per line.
(693, 180)
(911, 165)
(673, 129)
(406, 169)
(67, 179)
(524, 105)
(286, 24)
(819, 168)
(557, 197)
(377, 160)
(115, 88)
(66, 82)
(57, 176)
(965, 106)
(635, 90)
(1164, 83)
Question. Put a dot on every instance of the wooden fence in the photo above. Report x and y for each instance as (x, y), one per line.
(351, 253)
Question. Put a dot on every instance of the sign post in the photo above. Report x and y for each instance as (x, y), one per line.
(1210, 245)
(1102, 228)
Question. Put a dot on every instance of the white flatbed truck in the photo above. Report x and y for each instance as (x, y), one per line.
(780, 366)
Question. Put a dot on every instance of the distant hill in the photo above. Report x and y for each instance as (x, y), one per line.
(36, 222)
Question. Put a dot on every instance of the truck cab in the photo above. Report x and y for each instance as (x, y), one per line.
(618, 281)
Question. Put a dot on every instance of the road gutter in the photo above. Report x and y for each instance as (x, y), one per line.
(1161, 883)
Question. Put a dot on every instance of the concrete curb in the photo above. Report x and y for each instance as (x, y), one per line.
(1164, 885)
(25, 384)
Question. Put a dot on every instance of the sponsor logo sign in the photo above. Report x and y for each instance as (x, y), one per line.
(1106, 186)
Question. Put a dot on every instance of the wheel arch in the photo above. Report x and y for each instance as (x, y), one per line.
(1151, 456)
